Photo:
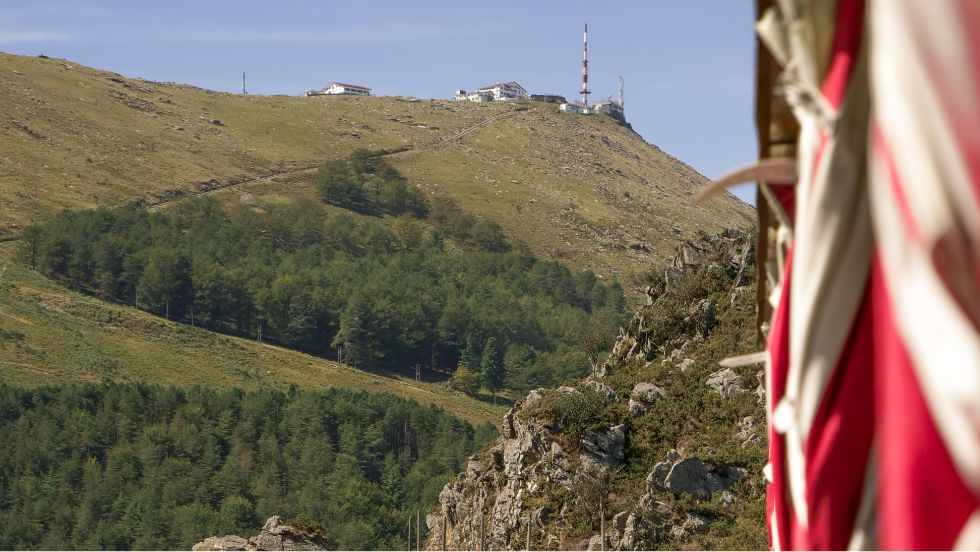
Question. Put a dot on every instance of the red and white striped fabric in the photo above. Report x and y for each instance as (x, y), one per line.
(925, 191)
(874, 349)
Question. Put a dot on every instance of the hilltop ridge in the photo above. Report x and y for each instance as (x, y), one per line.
(586, 190)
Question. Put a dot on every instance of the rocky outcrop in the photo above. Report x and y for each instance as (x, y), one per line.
(726, 382)
(602, 389)
(693, 524)
(702, 318)
(275, 535)
(643, 339)
(643, 397)
(553, 470)
(493, 500)
(603, 449)
(690, 475)
(510, 489)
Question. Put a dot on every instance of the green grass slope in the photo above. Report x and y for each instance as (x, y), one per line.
(51, 335)
(582, 189)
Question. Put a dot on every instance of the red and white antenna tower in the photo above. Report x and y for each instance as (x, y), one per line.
(585, 69)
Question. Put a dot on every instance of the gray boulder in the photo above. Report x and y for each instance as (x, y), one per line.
(745, 428)
(275, 535)
(657, 478)
(643, 396)
(227, 542)
(533, 398)
(726, 382)
(694, 524)
(697, 523)
(691, 476)
(703, 317)
(604, 448)
(601, 389)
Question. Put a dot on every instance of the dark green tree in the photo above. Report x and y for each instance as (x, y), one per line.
(338, 185)
(471, 354)
(492, 372)
(356, 335)
(165, 284)
(30, 244)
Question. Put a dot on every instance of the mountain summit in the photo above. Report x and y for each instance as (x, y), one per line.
(586, 190)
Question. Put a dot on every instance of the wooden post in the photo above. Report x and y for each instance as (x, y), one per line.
(481, 531)
(444, 522)
(418, 529)
(602, 529)
(409, 547)
(528, 547)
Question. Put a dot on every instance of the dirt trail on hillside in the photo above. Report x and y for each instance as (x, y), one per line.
(181, 195)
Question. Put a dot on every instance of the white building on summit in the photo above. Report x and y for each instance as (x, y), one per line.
(497, 92)
(609, 107)
(573, 107)
(335, 88)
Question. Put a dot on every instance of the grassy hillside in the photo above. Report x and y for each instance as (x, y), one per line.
(51, 335)
(591, 456)
(582, 189)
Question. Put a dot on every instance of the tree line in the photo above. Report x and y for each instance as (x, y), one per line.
(384, 292)
(121, 467)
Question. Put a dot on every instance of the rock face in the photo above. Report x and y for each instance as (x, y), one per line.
(602, 389)
(702, 318)
(690, 475)
(641, 339)
(549, 471)
(726, 382)
(496, 491)
(275, 535)
(603, 449)
(500, 495)
(643, 397)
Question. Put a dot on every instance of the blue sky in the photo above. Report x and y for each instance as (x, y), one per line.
(688, 64)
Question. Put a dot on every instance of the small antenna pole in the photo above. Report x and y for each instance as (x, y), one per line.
(622, 104)
(585, 68)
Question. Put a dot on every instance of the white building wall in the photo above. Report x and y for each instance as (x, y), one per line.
(337, 88)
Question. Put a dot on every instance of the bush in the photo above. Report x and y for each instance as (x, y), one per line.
(307, 527)
(576, 413)
(465, 380)
(338, 185)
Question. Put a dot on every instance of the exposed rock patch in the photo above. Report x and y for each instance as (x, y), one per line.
(726, 382)
(643, 397)
(604, 449)
(690, 475)
(642, 339)
(275, 535)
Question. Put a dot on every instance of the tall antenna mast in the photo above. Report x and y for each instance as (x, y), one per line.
(585, 69)
(621, 103)
(243, 84)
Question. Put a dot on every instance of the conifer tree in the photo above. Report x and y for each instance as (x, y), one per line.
(492, 370)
